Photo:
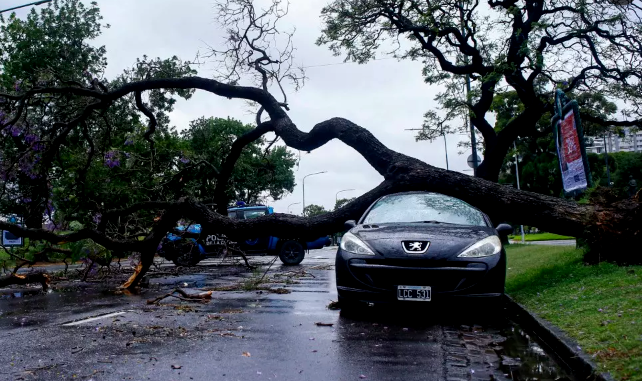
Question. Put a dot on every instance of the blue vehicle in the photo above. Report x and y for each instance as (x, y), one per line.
(189, 251)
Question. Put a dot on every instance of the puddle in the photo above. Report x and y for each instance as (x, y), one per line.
(523, 359)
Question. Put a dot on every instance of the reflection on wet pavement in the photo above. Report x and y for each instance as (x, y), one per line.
(257, 335)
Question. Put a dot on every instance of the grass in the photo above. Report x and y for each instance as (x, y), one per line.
(540, 237)
(599, 306)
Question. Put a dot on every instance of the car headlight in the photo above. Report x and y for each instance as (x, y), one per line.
(484, 248)
(352, 244)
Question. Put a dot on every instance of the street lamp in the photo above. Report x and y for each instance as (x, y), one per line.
(294, 203)
(336, 195)
(311, 174)
(26, 5)
(518, 187)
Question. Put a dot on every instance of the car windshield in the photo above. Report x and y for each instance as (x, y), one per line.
(424, 207)
(255, 213)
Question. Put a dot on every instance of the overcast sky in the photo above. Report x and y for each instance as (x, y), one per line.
(385, 96)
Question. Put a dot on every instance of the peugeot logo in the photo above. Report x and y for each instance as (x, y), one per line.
(415, 247)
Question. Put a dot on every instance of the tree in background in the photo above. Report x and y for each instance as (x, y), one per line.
(260, 171)
(50, 48)
(313, 210)
(529, 48)
(341, 202)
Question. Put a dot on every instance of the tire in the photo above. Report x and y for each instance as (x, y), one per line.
(350, 307)
(188, 256)
(291, 253)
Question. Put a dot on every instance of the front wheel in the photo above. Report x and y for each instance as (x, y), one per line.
(291, 253)
(350, 307)
(188, 256)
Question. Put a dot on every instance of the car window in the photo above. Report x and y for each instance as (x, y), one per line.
(255, 213)
(424, 207)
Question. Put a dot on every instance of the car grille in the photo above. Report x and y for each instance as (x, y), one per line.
(442, 276)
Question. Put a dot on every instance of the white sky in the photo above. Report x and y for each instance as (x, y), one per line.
(383, 96)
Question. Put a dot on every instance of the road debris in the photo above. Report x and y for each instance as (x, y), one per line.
(203, 297)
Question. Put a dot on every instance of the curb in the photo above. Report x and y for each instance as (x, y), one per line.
(563, 348)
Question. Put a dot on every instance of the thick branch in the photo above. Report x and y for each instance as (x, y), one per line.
(97, 236)
(30, 278)
(227, 167)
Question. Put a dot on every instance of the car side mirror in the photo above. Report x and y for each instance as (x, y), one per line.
(504, 229)
(349, 224)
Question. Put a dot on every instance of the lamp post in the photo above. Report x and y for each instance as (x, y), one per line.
(294, 203)
(337, 195)
(26, 5)
(311, 174)
(469, 119)
(517, 174)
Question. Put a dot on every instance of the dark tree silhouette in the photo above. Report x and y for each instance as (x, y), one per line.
(530, 47)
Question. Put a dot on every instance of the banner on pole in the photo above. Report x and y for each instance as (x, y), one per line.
(8, 238)
(569, 141)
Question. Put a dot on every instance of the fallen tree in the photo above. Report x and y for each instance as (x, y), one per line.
(612, 229)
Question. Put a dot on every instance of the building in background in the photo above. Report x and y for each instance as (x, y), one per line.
(630, 142)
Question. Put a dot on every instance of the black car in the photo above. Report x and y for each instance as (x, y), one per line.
(420, 246)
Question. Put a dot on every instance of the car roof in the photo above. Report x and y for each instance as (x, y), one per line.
(247, 208)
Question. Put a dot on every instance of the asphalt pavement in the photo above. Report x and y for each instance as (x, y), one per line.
(284, 331)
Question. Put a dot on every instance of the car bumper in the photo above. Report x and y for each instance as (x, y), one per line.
(371, 279)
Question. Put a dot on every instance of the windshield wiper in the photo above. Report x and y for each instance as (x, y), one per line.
(434, 222)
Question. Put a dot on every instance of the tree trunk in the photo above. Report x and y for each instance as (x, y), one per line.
(166, 223)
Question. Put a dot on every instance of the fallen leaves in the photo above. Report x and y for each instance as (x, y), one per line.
(246, 354)
(174, 366)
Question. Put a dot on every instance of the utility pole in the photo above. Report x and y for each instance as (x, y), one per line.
(606, 160)
(445, 146)
(518, 187)
(473, 140)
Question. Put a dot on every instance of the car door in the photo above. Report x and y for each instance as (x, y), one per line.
(254, 244)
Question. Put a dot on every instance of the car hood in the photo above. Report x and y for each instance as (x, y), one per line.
(446, 240)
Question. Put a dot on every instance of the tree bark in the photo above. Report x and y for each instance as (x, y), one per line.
(166, 223)
(30, 278)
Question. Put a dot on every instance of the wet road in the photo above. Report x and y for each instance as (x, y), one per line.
(256, 335)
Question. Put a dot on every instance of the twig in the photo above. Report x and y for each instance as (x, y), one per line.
(203, 297)
(268, 269)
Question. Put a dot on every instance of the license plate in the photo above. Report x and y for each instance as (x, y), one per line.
(414, 293)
